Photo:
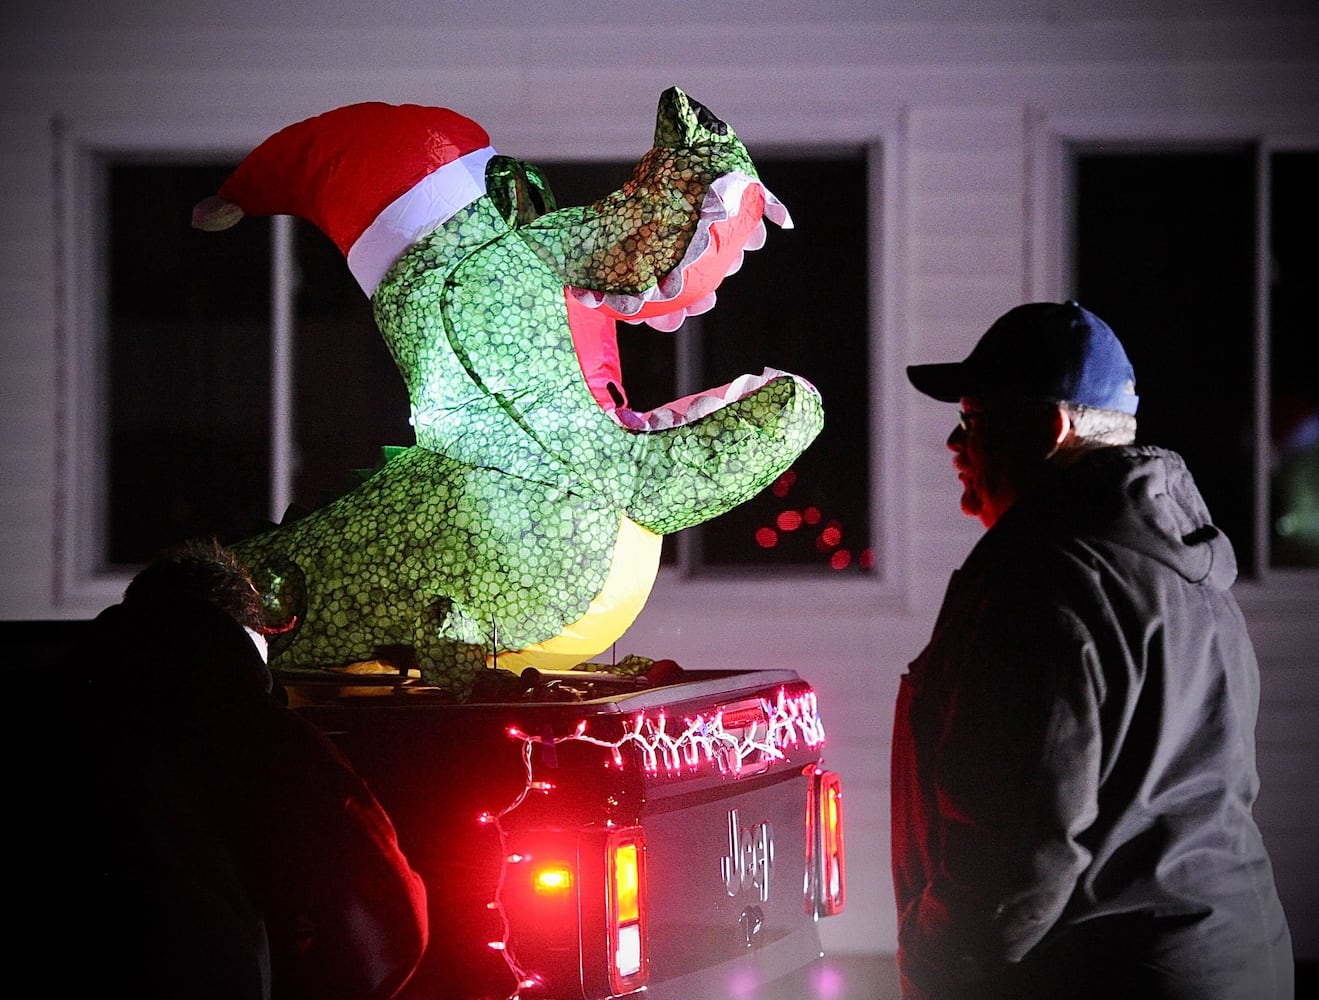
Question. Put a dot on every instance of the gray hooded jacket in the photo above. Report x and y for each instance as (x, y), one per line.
(1074, 757)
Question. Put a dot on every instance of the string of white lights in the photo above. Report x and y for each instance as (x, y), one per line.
(788, 721)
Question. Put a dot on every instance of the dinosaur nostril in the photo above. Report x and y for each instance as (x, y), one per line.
(616, 393)
(706, 119)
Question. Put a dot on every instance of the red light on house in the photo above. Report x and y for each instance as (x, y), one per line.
(767, 538)
(829, 537)
(840, 560)
(784, 483)
(789, 520)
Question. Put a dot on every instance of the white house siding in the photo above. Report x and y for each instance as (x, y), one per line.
(967, 99)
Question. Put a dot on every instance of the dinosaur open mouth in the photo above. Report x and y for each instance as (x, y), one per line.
(731, 223)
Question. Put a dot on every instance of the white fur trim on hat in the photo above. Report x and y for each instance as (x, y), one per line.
(432, 202)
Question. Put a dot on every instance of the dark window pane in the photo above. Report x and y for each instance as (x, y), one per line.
(1294, 430)
(800, 304)
(1165, 254)
(188, 350)
(349, 397)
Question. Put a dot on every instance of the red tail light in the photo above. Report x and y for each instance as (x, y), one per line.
(629, 965)
(825, 869)
(551, 879)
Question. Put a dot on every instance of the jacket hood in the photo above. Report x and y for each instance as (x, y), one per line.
(1143, 498)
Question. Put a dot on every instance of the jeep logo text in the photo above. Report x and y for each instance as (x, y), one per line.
(749, 859)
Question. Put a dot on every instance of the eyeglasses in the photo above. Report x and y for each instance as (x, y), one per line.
(1011, 411)
(966, 419)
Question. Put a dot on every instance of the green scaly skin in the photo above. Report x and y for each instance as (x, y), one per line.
(498, 529)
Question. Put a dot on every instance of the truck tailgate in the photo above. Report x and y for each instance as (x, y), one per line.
(711, 788)
(726, 831)
(727, 877)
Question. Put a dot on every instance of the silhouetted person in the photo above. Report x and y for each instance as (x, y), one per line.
(234, 852)
(1074, 750)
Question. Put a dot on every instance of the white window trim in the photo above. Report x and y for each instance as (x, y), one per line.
(83, 583)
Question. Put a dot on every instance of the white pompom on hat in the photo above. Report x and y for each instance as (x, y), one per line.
(373, 177)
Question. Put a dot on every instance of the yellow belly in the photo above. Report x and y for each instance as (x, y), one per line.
(626, 588)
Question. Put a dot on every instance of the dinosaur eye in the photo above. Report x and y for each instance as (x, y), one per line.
(519, 190)
(538, 189)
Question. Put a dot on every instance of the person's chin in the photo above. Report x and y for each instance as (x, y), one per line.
(972, 506)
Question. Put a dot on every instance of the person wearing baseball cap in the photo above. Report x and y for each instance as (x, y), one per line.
(1032, 359)
(1073, 751)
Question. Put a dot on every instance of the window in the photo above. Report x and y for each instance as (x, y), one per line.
(188, 342)
(189, 339)
(1293, 265)
(196, 443)
(1166, 252)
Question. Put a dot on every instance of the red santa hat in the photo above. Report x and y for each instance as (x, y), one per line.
(373, 177)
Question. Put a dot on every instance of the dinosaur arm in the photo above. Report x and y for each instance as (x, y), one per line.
(704, 468)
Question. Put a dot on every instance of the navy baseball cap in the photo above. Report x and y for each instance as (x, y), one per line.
(1041, 350)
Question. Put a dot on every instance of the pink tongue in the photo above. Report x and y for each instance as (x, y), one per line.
(594, 337)
(593, 332)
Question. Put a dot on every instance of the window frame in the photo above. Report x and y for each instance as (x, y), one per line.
(82, 146)
(1055, 142)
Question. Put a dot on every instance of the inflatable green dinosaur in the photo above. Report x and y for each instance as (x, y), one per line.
(523, 529)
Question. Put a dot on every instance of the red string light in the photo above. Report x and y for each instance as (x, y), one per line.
(784, 483)
(700, 741)
(789, 520)
(827, 541)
